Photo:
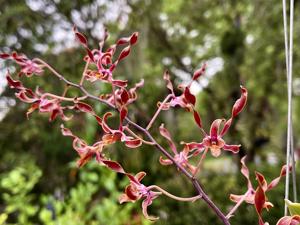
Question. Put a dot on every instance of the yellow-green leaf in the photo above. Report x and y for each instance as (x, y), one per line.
(294, 208)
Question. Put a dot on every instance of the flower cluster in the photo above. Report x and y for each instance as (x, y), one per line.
(100, 65)
(212, 141)
(104, 59)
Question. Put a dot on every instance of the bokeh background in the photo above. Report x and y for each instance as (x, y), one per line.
(241, 41)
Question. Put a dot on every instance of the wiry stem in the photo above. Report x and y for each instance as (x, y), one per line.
(84, 71)
(210, 203)
(232, 211)
(195, 182)
(200, 162)
(157, 112)
(114, 94)
(191, 199)
(65, 90)
(63, 98)
(138, 137)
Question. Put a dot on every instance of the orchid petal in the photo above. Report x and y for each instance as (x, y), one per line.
(84, 107)
(190, 98)
(114, 166)
(166, 134)
(226, 127)
(13, 83)
(259, 202)
(275, 182)
(123, 114)
(232, 148)
(197, 119)
(289, 220)
(199, 72)
(165, 162)
(261, 181)
(194, 146)
(145, 204)
(240, 103)
(4, 56)
(84, 159)
(105, 127)
(245, 172)
(32, 108)
(140, 175)
(214, 129)
(125, 52)
(120, 83)
(169, 83)
(66, 131)
(133, 143)
(124, 96)
(134, 38)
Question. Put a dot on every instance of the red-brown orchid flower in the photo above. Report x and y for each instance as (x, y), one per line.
(136, 191)
(214, 140)
(186, 100)
(289, 220)
(119, 135)
(111, 136)
(122, 97)
(257, 197)
(104, 59)
(40, 101)
(86, 152)
(52, 106)
(28, 67)
(179, 157)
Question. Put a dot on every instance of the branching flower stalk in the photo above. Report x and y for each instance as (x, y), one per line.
(119, 99)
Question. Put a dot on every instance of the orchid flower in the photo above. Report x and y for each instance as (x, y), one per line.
(186, 100)
(257, 197)
(28, 67)
(104, 59)
(86, 152)
(121, 96)
(119, 134)
(179, 157)
(214, 140)
(136, 191)
(44, 103)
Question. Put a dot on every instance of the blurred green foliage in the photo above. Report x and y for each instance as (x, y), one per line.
(244, 39)
(93, 200)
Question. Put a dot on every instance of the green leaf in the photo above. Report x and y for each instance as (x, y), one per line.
(294, 208)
